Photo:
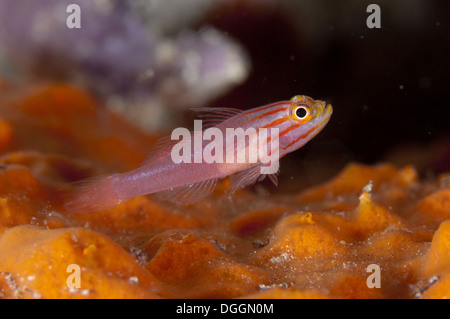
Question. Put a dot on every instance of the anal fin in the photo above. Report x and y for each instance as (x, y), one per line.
(189, 194)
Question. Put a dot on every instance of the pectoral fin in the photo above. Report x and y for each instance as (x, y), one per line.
(249, 177)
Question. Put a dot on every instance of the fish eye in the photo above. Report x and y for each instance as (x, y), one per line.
(301, 112)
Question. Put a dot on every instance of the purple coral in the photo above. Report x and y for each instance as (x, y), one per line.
(116, 52)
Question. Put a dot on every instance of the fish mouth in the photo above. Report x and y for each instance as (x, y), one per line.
(324, 118)
(328, 110)
(327, 114)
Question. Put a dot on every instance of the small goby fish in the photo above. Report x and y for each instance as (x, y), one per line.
(297, 121)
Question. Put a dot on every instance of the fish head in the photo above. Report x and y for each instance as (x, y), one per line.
(307, 117)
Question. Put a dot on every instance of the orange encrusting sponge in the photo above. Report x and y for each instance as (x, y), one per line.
(321, 243)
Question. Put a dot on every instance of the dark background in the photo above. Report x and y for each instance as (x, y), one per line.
(389, 87)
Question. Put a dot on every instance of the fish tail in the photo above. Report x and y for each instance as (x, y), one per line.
(93, 194)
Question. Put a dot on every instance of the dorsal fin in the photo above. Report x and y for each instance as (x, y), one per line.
(161, 148)
(188, 194)
(211, 116)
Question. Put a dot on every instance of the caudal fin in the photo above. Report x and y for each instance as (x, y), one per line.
(91, 195)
